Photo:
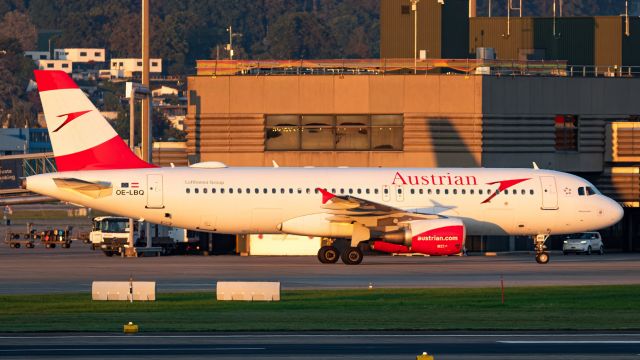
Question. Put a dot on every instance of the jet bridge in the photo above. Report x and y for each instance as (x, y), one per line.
(13, 168)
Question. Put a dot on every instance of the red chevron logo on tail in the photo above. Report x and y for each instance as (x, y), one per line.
(70, 117)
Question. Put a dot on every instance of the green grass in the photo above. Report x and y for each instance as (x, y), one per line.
(530, 308)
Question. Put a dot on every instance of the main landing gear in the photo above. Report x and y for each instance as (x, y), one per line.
(330, 254)
(542, 257)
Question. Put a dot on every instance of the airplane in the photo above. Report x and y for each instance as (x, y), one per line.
(426, 210)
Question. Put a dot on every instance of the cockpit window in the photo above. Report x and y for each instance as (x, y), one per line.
(590, 190)
(581, 191)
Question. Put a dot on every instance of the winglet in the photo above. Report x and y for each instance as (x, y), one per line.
(275, 164)
(326, 196)
(535, 166)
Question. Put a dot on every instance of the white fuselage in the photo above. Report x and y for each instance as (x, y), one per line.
(257, 200)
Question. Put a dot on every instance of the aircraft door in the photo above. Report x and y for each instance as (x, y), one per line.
(549, 193)
(154, 192)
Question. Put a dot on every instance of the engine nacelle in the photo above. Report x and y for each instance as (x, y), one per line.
(316, 225)
(432, 237)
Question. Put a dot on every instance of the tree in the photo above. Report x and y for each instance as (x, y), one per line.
(16, 109)
(300, 36)
(17, 25)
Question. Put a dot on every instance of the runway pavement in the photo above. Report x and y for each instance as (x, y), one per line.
(40, 270)
(359, 345)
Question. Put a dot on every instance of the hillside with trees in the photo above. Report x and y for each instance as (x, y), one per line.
(187, 30)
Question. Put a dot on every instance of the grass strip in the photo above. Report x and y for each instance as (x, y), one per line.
(526, 308)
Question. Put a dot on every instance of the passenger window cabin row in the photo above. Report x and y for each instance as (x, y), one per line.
(360, 191)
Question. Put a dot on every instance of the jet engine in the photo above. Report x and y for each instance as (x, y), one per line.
(432, 237)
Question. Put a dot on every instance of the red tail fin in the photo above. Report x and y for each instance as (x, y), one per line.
(82, 139)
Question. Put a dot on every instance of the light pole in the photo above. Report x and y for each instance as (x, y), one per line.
(229, 46)
(414, 8)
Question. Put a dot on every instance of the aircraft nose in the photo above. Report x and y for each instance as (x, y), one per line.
(614, 211)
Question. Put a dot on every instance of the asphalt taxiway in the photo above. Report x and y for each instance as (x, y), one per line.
(40, 271)
(325, 345)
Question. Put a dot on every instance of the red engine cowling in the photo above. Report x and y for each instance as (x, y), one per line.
(432, 237)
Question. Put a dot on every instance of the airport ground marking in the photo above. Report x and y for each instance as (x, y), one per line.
(247, 336)
(131, 349)
(542, 342)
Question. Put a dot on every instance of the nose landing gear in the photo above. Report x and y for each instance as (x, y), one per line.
(542, 257)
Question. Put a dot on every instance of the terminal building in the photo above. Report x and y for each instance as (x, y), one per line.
(438, 114)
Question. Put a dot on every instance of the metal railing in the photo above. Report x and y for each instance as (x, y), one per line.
(406, 66)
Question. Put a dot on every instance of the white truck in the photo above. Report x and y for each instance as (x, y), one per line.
(111, 234)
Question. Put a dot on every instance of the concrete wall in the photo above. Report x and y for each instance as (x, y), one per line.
(225, 120)
(518, 117)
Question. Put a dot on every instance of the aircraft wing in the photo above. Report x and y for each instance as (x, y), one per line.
(91, 189)
(352, 208)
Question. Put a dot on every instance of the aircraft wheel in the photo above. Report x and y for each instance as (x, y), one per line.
(18, 246)
(328, 255)
(108, 253)
(353, 256)
(601, 251)
(589, 250)
(52, 246)
(542, 258)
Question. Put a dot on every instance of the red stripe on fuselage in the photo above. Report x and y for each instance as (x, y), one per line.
(53, 80)
(110, 155)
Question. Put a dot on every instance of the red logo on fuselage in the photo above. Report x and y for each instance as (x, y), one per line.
(70, 117)
(504, 185)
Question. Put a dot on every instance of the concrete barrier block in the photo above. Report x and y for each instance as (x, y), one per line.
(247, 291)
(123, 290)
(144, 290)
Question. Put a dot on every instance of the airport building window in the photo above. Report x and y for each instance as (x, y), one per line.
(334, 132)
(566, 132)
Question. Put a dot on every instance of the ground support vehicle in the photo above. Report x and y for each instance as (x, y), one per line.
(56, 237)
(111, 234)
(17, 240)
